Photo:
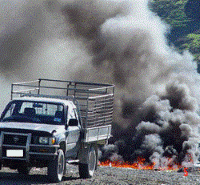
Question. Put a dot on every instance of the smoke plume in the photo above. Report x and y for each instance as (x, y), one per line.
(157, 91)
(112, 41)
(33, 44)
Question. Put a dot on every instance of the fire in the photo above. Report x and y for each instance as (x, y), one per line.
(141, 164)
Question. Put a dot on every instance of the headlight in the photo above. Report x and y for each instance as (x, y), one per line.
(47, 140)
(44, 140)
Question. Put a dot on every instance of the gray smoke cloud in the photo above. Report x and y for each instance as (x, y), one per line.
(34, 44)
(157, 91)
(115, 41)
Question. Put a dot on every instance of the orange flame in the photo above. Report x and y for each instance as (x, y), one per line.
(141, 164)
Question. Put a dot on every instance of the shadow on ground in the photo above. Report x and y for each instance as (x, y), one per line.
(15, 178)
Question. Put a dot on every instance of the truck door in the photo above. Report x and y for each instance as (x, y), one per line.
(72, 135)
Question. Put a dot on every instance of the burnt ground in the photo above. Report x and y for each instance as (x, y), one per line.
(104, 175)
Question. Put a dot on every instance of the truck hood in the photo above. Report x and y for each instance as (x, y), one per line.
(30, 126)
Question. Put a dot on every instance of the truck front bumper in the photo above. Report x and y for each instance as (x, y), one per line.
(22, 149)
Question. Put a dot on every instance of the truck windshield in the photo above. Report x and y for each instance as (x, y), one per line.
(34, 112)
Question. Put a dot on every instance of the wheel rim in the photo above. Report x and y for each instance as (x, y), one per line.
(60, 166)
(92, 161)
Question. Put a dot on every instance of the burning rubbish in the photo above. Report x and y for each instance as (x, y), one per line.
(141, 164)
(122, 42)
(163, 135)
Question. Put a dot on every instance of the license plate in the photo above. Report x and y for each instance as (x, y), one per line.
(14, 153)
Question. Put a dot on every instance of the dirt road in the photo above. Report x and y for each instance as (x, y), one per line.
(104, 175)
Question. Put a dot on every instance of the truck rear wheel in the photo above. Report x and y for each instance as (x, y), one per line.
(87, 170)
(56, 167)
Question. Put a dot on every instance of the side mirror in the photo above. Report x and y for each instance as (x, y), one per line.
(73, 122)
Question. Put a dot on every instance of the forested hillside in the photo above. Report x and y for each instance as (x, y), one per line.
(184, 18)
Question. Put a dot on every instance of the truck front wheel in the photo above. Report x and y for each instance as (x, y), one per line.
(24, 169)
(56, 167)
(87, 170)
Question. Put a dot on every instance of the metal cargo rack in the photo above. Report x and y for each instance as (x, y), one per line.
(95, 100)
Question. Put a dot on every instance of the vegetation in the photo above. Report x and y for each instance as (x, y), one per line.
(192, 43)
(171, 11)
(184, 18)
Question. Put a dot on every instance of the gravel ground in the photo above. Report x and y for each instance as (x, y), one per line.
(104, 175)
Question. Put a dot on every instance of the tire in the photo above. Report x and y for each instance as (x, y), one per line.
(56, 167)
(24, 169)
(87, 170)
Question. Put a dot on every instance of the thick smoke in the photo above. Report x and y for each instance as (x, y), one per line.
(157, 91)
(33, 44)
(112, 41)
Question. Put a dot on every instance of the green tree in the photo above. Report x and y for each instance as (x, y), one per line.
(171, 11)
(192, 43)
(184, 27)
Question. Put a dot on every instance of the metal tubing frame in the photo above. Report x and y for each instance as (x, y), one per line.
(85, 92)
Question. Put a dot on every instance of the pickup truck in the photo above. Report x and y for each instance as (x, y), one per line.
(51, 123)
